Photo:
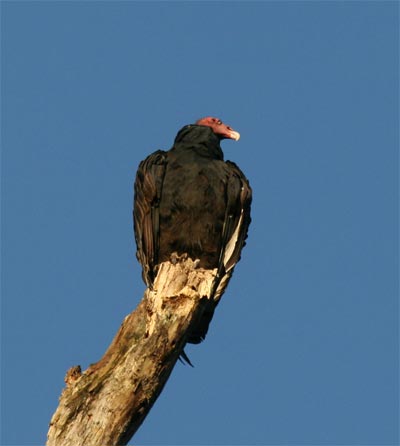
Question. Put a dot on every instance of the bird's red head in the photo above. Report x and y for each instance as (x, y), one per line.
(219, 128)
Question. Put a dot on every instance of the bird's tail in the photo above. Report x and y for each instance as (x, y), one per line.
(183, 357)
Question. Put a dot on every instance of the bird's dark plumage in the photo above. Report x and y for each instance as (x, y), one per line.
(189, 200)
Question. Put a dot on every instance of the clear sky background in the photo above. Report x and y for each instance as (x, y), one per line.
(303, 349)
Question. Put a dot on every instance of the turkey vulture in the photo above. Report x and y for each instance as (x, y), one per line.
(189, 200)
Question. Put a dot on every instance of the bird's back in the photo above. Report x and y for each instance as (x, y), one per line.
(192, 207)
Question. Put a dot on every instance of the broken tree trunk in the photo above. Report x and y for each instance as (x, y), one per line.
(106, 404)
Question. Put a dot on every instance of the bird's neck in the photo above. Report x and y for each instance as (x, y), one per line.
(200, 139)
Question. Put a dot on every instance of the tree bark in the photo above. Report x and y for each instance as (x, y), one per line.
(107, 403)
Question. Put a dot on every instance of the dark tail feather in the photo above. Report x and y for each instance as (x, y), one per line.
(183, 357)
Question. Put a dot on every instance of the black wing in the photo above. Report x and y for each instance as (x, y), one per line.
(147, 195)
(237, 218)
(234, 234)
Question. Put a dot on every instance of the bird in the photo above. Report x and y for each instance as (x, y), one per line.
(189, 201)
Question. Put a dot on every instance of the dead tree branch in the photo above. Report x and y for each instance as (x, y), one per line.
(107, 403)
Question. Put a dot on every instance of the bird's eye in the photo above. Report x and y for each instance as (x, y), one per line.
(219, 122)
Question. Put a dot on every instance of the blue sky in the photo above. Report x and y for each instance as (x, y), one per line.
(304, 346)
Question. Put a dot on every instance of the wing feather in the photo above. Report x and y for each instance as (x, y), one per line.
(234, 234)
(238, 206)
(147, 195)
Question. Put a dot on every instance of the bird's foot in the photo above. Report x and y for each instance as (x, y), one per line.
(175, 257)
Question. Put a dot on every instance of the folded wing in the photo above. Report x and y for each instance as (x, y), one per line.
(147, 196)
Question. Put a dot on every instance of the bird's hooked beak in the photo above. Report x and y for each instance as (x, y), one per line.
(233, 134)
(219, 128)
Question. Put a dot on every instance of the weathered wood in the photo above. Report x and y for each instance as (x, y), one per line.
(106, 404)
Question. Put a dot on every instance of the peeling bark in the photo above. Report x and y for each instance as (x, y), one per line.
(107, 403)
